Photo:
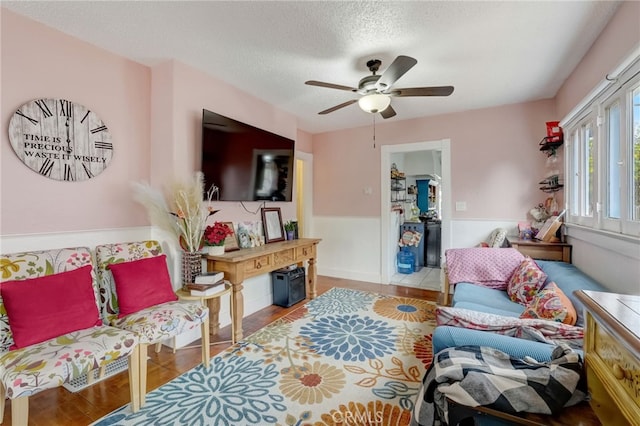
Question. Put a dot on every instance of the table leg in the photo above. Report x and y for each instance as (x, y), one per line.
(237, 301)
(311, 278)
(214, 315)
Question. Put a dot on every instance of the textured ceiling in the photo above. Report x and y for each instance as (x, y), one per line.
(494, 53)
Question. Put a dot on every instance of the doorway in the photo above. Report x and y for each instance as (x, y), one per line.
(388, 243)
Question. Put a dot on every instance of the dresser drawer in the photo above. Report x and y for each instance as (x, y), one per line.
(284, 258)
(258, 264)
(305, 252)
(620, 365)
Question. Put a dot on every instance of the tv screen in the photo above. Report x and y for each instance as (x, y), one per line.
(244, 162)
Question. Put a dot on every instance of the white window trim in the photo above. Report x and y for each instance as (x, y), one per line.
(592, 109)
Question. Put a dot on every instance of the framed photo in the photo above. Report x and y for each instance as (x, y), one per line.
(231, 242)
(272, 223)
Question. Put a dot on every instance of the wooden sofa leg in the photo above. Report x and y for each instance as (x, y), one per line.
(158, 347)
(3, 395)
(206, 351)
(134, 361)
(20, 411)
(143, 372)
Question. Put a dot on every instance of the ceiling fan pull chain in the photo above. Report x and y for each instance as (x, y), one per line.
(374, 131)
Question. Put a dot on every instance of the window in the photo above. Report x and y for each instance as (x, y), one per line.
(603, 156)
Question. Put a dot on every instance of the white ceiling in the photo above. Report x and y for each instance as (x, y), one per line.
(494, 53)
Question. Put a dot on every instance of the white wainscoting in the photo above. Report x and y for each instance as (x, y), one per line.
(351, 246)
(471, 232)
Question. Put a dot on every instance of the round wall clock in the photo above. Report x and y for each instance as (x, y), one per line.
(60, 139)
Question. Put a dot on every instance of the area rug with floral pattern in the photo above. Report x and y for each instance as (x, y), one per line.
(347, 357)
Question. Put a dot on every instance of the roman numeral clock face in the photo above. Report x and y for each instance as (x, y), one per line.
(60, 139)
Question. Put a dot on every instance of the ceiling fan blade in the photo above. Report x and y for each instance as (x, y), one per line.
(423, 91)
(330, 85)
(397, 69)
(342, 105)
(388, 112)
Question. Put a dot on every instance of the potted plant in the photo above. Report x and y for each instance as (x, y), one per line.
(214, 237)
(290, 229)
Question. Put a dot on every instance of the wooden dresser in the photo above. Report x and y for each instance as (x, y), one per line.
(612, 355)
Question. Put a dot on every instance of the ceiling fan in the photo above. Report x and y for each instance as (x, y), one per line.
(377, 90)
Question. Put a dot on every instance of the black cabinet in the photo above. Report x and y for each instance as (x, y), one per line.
(288, 287)
(433, 244)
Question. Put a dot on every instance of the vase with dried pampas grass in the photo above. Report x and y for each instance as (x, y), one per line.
(183, 212)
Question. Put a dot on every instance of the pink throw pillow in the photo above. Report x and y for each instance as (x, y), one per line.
(552, 304)
(527, 280)
(141, 284)
(42, 308)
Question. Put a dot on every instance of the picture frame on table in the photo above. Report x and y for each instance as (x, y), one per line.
(272, 224)
(231, 242)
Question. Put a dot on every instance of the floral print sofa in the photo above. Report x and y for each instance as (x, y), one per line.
(34, 367)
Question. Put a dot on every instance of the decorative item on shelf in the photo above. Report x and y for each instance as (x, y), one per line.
(182, 214)
(548, 232)
(554, 138)
(215, 237)
(191, 266)
(290, 228)
(250, 234)
(539, 215)
(272, 224)
(231, 242)
(395, 173)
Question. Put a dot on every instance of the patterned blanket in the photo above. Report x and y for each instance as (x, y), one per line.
(488, 267)
(481, 376)
(538, 330)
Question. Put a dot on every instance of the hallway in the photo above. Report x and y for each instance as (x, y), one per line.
(424, 279)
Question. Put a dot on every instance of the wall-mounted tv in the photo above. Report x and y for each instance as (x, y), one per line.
(246, 163)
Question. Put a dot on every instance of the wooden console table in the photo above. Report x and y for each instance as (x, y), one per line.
(247, 263)
(543, 250)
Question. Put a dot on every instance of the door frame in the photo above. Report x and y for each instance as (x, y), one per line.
(304, 193)
(388, 248)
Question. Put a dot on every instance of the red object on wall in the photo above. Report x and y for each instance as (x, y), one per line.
(554, 131)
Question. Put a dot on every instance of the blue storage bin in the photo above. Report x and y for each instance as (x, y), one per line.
(406, 261)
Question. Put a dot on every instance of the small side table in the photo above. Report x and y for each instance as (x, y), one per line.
(543, 250)
(213, 303)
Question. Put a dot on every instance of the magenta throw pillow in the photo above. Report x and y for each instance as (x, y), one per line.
(42, 308)
(142, 283)
(527, 280)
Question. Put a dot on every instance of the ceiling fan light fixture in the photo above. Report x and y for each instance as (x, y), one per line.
(374, 102)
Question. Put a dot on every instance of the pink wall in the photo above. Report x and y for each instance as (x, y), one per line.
(495, 161)
(38, 62)
(180, 95)
(304, 141)
(621, 34)
(153, 114)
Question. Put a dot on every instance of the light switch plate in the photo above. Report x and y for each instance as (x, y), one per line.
(461, 206)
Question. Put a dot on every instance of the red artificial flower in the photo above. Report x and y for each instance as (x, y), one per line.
(216, 234)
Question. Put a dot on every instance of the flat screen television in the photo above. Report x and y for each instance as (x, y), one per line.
(244, 162)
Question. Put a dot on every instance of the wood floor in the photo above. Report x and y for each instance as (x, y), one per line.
(60, 407)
